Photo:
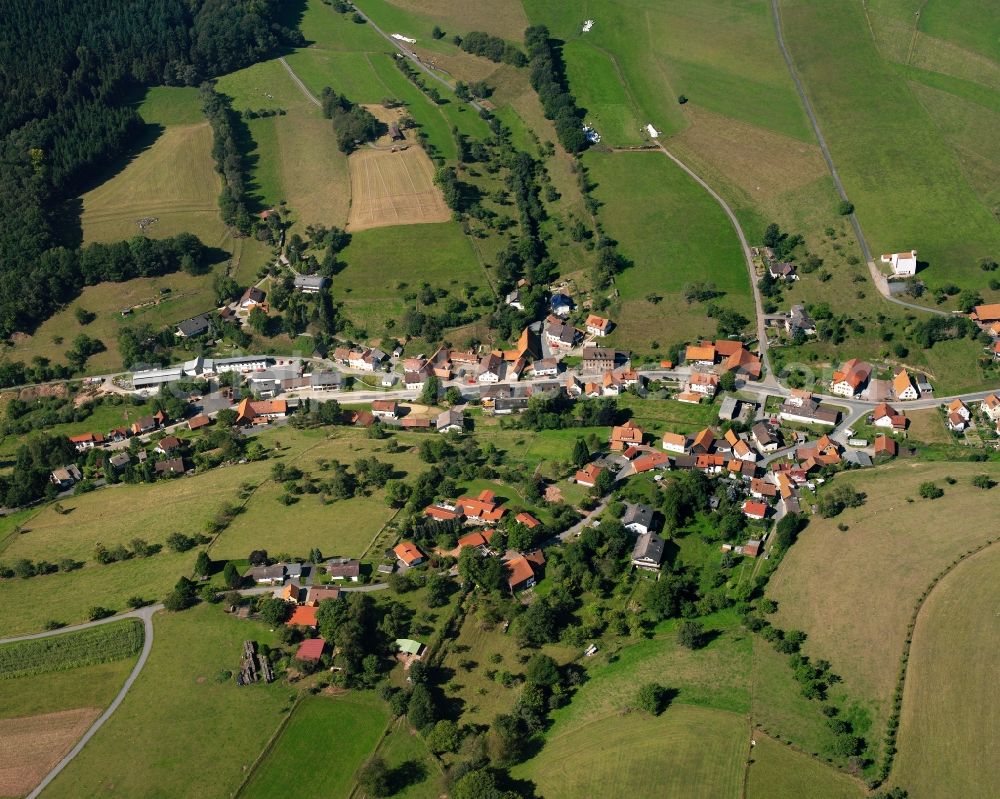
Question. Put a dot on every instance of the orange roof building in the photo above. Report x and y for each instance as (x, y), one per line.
(587, 476)
(250, 412)
(483, 508)
(703, 441)
(439, 513)
(624, 435)
(885, 445)
(303, 616)
(408, 553)
(527, 520)
(700, 354)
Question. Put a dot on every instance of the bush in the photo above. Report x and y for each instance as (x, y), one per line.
(930, 491)
(845, 208)
(652, 697)
(691, 634)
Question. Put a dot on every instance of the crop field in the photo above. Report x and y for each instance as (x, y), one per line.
(675, 234)
(104, 644)
(855, 606)
(173, 179)
(687, 751)
(160, 726)
(779, 772)
(83, 686)
(949, 715)
(328, 738)
(868, 116)
(31, 746)
(393, 188)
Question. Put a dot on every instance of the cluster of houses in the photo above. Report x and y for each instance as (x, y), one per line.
(854, 380)
(988, 318)
(709, 360)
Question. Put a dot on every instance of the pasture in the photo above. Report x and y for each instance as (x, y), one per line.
(949, 715)
(868, 114)
(326, 737)
(687, 751)
(855, 606)
(160, 727)
(507, 20)
(779, 772)
(675, 234)
(393, 188)
(383, 263)
(83, 686)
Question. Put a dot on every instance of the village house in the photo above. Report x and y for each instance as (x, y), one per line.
(622, 436)
(310, 284)
(169, 466)
(261, 412)
(119, 461)
(599, 359)
(742, 362)
(885, 415)
(648, 460)
(450, 421)
(86, 441)
(690, 397)
(638, 518)
(268, 575)
(146, 424)
(782, 271)
(851, 379)
(303, 616)
(700, 354)
(408, 554)
(703, 442)
(611, 385)
(991, 407)
(343, 569)
(414, 381)
(524, 570)
(987, 314)
(480, 541)
(561, 335)
(648, 552)
(765, 437)
(762, 489)
(167, 444)
(886, 446)
(483, 508)
(515, 300)
(198, 422)
(66, 477)
(251, 298)
(904, 264)
(415, 423)
(958, 416)
(598, 326)
(823, 452)
(797, 320)
(545, 367)
(587, 476)
(809, 412)
(703, 383)
(194, 326)
(443, 512)
(385, 409)
(754, 510)
(324, 381)
(561, 304)
(527, 520)
(491, 369)
(675, 442)
(310, 650)
(904, 387)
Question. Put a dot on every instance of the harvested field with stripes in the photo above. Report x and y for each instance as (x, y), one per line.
(30, 746)
(393, 188)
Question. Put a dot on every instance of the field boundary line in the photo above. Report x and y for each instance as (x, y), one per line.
(892, 723)
(298, 82)
(269, 745)
(355, 785)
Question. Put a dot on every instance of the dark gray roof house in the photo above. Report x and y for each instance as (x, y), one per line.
(324, 380)
(310, 284)
(194, 326)
(648, 552)
(638, 518)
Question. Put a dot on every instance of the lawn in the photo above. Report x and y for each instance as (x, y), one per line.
(949, 716)
(853, 592)
(868, 116)
(661, 416)
(326, 737)
(385, 263)
(157, 740)
(675, 234)
(687, 751)
(779, 772)
(928, 427)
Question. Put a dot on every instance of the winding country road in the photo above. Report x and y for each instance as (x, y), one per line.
(877, 277)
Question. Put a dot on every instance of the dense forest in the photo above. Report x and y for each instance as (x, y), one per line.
(66, 67)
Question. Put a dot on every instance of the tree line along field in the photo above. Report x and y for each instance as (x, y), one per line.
(855, 606)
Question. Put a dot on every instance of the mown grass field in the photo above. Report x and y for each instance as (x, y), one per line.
(779, 772)
(949, 715)
(507, 20)
(85, 686)
(675, 234)
(379, 261)
(853, 592)
(687, 751)
(869, 116)
(161, 723)
(404, 749)
(328, 738)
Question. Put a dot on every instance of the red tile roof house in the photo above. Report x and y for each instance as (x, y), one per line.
(167, 445)
(623, 435)
(587, 476)
(443, 513)
(754, 510)
(483, 508)
(523, 569)
(527, 520)
(303, 616)
(408, 553)
(385, 409)
(311, 651)
(86, 441)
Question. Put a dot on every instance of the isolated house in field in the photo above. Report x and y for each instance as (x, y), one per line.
(782, 271)
(904, 264)
(648, 552)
